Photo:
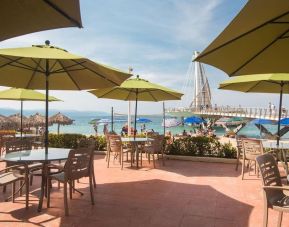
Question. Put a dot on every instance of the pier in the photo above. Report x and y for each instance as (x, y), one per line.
(227, 111)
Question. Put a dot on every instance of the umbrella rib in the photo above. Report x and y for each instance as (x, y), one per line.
(70, 76)
(56, 8)
(106, 93)
(52, 67)
(21, 65)
(129, 92)
(261, 51)
(152, 96)
(104, 77)
(33, 74)
(67, 68)
(11, 61)
(244, 34)
(37, 64)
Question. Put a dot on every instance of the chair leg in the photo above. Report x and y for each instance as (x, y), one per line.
(91, 190)
(238, 159)
(65, 199)
(93, 175)
(26, 190)
(70, 189)
(149, 157)
(154, 162)
(243, 166)
(121, 158)
(163, 160)
(141, 157)
(48, 196)
(31, 179)
(20, 191)
(4, 189)
(280, 219)
(13, 192)
(108, 159)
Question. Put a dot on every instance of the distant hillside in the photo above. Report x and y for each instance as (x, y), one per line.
(71, 113)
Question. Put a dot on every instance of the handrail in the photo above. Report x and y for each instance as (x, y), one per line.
(247, 112)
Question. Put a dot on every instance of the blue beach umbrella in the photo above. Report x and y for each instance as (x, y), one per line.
(261, 121)
(194, 120)
(284, 121)
(143, 120)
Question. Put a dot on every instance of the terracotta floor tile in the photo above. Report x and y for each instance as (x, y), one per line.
(181, 193)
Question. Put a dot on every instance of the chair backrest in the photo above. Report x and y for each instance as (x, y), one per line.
(158, 142)
(239, 141)
(86, 143)
(115, 143)
(270, 174)
(252, 146)
(78, 164)
(18, 145)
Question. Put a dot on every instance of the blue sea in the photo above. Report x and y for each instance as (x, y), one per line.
(81, 125)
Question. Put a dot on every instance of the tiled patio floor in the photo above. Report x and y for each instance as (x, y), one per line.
(182, 193)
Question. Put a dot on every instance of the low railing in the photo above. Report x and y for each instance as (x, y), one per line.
(248, 112)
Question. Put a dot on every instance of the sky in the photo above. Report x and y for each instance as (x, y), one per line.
(156, 38)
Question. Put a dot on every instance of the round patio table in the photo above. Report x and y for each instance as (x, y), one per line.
(136, 141)
(37, 155)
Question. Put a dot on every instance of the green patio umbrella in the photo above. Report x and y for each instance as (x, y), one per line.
(261, 83)
(256, 41)
(48, 67)
(23, 17)
(20, 94)
(139, 90)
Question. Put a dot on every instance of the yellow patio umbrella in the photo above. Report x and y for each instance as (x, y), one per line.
(139, 90)
(260, 83)
(256, 41)
(48, 67)
(20, 94)
(23, 17)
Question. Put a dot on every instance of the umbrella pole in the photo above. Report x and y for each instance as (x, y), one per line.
(21, 119)
(58, 127)
(112, 119)
(46, 105)
(134, 131)
(164, 117)
(279, 126)
(280, 111)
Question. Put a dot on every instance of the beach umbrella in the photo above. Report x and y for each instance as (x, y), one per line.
(284, 121)
(18, 119)
(60, 119)
(171, 122)
(143, 120)
(256, 41)
(194, 120)
(261, 83)
(139, 90)
(20, 94)
(23, 17)
(52, 68)
(6, 122)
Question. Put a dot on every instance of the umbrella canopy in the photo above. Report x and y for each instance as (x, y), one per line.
(20, 94)
(143, 120)
(256, 41)
(138, 89)
(48, 67)
(260, 121)
(6, 123)
(284, 121)
(194, 120)
(36, 120)
(23, 17)
(171, 122)
(16, 118)
(60, 119)
(261, 83)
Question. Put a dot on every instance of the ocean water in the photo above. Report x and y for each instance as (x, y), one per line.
(81, 125)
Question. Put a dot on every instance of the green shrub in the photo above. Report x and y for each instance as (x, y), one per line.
(201, 146)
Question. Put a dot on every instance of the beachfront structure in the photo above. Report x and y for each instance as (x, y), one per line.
(202, 92)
